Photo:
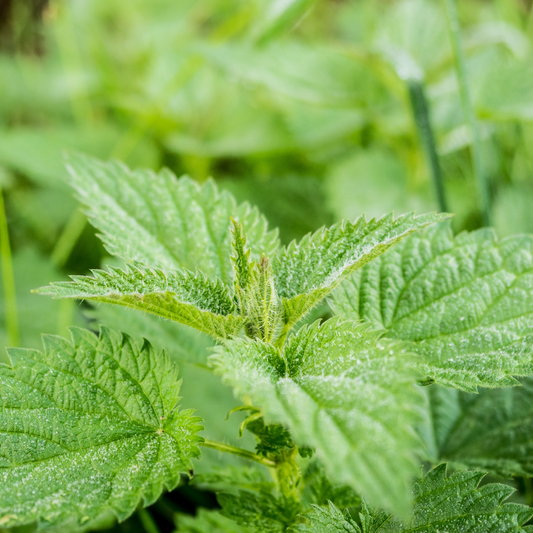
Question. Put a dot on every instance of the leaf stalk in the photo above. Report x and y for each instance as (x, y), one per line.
(227, 448)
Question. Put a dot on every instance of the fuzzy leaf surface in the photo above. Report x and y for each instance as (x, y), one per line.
(182, 296)
(441, 505)
(492, 431)
(307, 271)
(466, 303)
(163, 221)
(88, 426)
(341, 390)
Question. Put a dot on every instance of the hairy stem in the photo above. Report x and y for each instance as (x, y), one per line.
(227, 448)
(468, 111)
(420, 109)
(10, 295)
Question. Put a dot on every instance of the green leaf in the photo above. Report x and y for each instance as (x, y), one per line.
(490, 431)
(182, 296)
(441, 504)
(307, 271)
(319, 490)
(465, 302)
(341, 390)
(88, 426)
(259, 510)
(208, 522)
(163, 221)
(232, 478)
(328, 520)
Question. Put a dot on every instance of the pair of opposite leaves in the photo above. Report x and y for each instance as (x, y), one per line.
(342, 389)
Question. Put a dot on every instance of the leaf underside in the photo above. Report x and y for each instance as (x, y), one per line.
(88, 426)
(182, 296)
(165, 222)
(342, 391)
(441, 504)
(306, 272)
(465, 302)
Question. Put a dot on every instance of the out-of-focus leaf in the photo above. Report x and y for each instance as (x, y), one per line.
(373, 182)
(37, 315)
(38, 153)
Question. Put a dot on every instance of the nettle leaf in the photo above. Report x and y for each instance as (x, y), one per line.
(319, 490)
(341, 390)
(88, 426)
(308, 271)
(490, 431)
(466, 303)
(328, 520)
(183, 296)
(259, 510)
(441, 504)
(163, 221)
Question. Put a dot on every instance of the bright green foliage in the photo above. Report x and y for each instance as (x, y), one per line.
(165, 222)
(442, 504)
(230, 478)
(87, 426)
(465, 302)
(259, 510)
(490, 431)
(209, 522)
(342, 391)
(307, 271)
(183, 296)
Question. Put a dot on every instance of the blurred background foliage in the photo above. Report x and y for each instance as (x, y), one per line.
(307, 108)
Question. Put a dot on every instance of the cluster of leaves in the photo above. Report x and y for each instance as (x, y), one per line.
(92, 426)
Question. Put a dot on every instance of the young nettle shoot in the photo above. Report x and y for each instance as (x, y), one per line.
(91, 425)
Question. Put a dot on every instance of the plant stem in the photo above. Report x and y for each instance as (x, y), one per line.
(227, 448)
(10, 295)
(419, 104)
(68, 238)
(147, 521)
(468, 111)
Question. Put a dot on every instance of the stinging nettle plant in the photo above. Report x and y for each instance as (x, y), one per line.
(341, 408)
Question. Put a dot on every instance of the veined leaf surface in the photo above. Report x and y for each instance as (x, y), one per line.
(466, 303)
(87, 426)
(341, 390)
(492, 430)
(163, 221)
(192, 299)
(307, 271)
(441, 505)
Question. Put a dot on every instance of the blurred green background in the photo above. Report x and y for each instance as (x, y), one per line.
(313, 110)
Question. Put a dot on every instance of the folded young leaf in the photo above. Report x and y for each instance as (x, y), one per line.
(341, 390)
(466, 303)
(188, 298)
(491, 431)
(307, 271)
(442, 504)
(88, 426)
(163, 221)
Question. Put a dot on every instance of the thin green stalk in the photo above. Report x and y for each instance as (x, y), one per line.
(68, 238)
(227, 448)
(419, 105)
(468, 111)
(8, 276)
(147, 521)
